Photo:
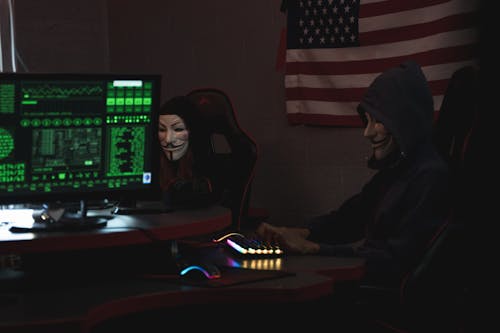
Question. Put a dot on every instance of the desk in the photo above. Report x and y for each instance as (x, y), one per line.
(77, 304)
(121, 230)
(74, 307)
(77, 307)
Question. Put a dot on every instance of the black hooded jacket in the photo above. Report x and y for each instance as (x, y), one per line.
(399, 210)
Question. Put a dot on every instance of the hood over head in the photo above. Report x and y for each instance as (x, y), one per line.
(183, 107)
(400, 98)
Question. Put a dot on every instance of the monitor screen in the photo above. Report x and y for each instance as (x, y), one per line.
(72, 137)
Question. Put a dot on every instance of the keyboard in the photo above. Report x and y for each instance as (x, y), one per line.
(247, 245)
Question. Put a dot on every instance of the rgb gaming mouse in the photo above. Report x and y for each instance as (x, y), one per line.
(201, 271)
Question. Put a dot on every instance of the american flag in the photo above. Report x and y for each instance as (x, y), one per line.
(336, 48)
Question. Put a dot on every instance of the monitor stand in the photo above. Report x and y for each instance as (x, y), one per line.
(60, 218)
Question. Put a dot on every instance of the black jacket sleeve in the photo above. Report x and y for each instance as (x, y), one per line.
(397, 223)
(347, 223)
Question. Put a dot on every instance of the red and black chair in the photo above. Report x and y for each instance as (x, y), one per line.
(233, 151)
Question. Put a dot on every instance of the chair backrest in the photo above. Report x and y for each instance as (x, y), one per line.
(458, 116)
(234, 151)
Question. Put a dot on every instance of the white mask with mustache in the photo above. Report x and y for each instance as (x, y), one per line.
(381, 140)
(173, 136)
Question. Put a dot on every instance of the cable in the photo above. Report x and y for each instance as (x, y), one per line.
(21, 61)
(10, 19)
(229, 235)
(12, 39)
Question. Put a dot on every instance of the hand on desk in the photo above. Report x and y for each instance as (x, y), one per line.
(292, 240)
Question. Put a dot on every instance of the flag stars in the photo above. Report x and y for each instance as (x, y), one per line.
(329, 23)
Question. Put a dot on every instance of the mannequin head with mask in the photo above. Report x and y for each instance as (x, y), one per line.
(181, 138)
(173, 135)
(179, 127)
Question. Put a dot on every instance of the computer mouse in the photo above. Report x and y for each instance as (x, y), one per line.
(200, 271)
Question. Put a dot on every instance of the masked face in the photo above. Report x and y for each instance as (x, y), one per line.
(382, 141)
(173, 136)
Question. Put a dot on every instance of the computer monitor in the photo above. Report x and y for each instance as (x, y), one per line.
(74, 138)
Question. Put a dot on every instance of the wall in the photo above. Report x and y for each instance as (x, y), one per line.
(231, 45)
(61, 35)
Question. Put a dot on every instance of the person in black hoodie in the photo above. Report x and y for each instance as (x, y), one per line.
(397, 212)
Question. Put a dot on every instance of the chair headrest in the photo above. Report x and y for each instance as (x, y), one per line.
(217, 111)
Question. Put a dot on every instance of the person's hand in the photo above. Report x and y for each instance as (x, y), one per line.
(293, 240)
(267, 232)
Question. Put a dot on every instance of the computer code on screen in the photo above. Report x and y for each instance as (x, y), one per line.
(76, 133)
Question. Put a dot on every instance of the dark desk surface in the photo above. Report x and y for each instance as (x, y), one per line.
(120, 230)
(63, 303)
(75, 306)
(71, 307)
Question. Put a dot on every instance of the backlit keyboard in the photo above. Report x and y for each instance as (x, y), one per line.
(249, 245)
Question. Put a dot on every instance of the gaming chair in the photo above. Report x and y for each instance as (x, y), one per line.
(232, 149)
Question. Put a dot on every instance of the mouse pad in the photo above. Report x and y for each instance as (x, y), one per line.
(235, 275)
